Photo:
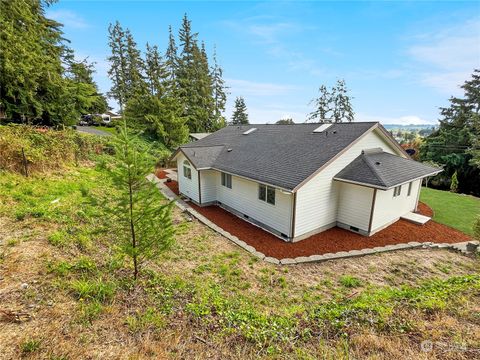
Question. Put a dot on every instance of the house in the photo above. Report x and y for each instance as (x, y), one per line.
(197, 136)
(298, 180)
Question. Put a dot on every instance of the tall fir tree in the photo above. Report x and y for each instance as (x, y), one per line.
(323, 105)
(118, 64)
(219, 94)
(136, 84)
(171, 58)
(81, 76)
(456, 142)
(332, 105)
(193, 81)
(155, 71)
(35, 84)
(240, 115)
(342, 110)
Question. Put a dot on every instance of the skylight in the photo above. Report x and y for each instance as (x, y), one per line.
(322, 127)
(249, 131)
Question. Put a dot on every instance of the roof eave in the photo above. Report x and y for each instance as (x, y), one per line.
(387, 187)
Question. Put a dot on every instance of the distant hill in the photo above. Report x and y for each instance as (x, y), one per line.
(411, 127)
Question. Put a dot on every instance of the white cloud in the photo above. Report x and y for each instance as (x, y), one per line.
(252, 88)
(68, 18)
(450, 55)
(401, 120)
(273, 34)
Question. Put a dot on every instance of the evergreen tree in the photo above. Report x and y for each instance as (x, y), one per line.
(135, 79)
(82, 74)
(34, 83)
(219, 94)
(118, 63)
(240, 115)
(342, 110)
(455, 143)
(323, 106)
(332, 105)
(286, 121)
(193, 81)
(155, 71)
(138, 208)
(171, 58)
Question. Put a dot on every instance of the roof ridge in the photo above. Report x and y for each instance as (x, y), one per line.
(372, 167)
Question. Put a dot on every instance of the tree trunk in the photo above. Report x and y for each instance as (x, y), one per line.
(132, 231)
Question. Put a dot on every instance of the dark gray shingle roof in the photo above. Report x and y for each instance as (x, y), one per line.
(281, 155)
(384, 170)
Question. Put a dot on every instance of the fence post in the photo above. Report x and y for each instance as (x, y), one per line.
(25, 164)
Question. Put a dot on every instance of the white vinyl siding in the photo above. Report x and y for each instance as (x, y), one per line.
(354, 205)
(389, 208)
(188, 187)
(317, 200)
(209, 180)
(243, 197)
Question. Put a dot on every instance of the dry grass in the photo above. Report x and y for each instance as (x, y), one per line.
(57, 324)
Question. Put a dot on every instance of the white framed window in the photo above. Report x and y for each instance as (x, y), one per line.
(397, 191)
(227, 180)
(187, 170)
(409, 188)
(266, 193)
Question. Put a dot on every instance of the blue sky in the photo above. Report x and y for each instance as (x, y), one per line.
(401, 60)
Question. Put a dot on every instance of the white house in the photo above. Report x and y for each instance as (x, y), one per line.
(298, 180)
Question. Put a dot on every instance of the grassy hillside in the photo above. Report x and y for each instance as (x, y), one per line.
(206, 298)
(456, 210)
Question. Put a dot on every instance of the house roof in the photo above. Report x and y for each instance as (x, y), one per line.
(280, 155)
(382, 170)
(199, 136)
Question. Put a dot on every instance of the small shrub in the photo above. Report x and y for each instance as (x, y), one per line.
(454, 183)
(60, 268)
(350, 281)
(30, 346)
(99, 290)
(476, 228)
(58, 238)
(150, 319)
(85, 264)
(89, 311)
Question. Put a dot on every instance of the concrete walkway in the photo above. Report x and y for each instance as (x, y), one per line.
(416, 218)
(463, 247)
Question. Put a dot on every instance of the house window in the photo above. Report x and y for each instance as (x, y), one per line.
(409, 189)
(227, 180)
(187, 171)
(397, 191)
(266, 193)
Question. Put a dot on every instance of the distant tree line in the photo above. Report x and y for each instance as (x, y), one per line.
(170, 93)
(40, 79)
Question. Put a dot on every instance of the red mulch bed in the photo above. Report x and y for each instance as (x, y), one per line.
(161, 174)
(173, 185)
(329, 241)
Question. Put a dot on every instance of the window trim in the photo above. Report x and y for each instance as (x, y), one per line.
(226, 180)
(263, 191)
(410, 185)
(187, 170)
(397, 191)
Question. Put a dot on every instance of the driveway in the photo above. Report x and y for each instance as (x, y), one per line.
(92, 130)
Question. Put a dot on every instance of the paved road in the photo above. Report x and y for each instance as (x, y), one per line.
(92, 130)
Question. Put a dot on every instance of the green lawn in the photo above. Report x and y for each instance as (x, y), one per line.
(111, 130)
(455, 210)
